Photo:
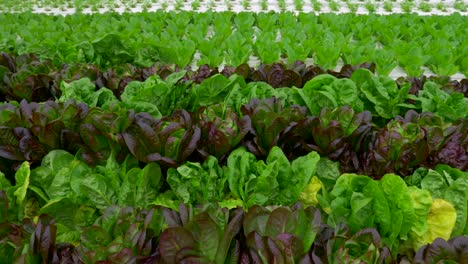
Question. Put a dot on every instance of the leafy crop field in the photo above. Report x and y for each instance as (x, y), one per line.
(198, 132)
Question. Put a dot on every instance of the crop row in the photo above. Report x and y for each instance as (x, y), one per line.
(354, 138)
(347, 119)
(26, 77)
(205, 234)
(232, 39)
(363, 91)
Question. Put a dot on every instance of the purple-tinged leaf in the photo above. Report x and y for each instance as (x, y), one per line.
(173, 241)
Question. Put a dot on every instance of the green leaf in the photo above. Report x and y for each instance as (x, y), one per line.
(60, 185)
(302, 170)
(328, 172)
(194, 183)
(262, 187)
(4, 182)
(43, 176)
(156, 96)
(435, 183)
(140, 186)
(361, 212)
(308, 196)
(67, 235)
(83, 90)
(215, 89)
(449, 184)
(94, 238)
(348, 183)
(457, 195)
(111, 48)
(277, 156)
(98, 192)
(230, 203)
(238, 171)
(70, 215)
(167, 199)
(380, 94)
(422, 202)
(347, 92)
(22, 183)
(57, 159)
(453, 172)
(380, 207)
(311, 88)
(339, 200)
(3, 206)
(397, 192)
(448, 106)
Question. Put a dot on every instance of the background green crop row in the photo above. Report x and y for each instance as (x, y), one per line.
(187, 38)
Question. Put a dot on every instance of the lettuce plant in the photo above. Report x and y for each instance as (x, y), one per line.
(381, 95)
(277, 76)
(222, 130)
(453, 152)
(450, 106)
(446, 183)
(169, 140)
(25, 77)
(326, 91)
(399, 147)
(339, 245)
(451, 251)
(338, 134)
(267, 119)
(205, 236)
(274, 181)
(404, 226)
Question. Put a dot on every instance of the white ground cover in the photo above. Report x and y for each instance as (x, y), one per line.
(63, 7)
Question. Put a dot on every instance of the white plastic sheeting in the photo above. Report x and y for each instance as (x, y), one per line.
(437, 7)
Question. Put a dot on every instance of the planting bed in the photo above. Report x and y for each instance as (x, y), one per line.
(181, 134)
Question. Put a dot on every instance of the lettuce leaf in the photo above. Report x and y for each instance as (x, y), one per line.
(195, 183)
(403, 216)
(309, 194)
(83, 90)
(440, 223)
